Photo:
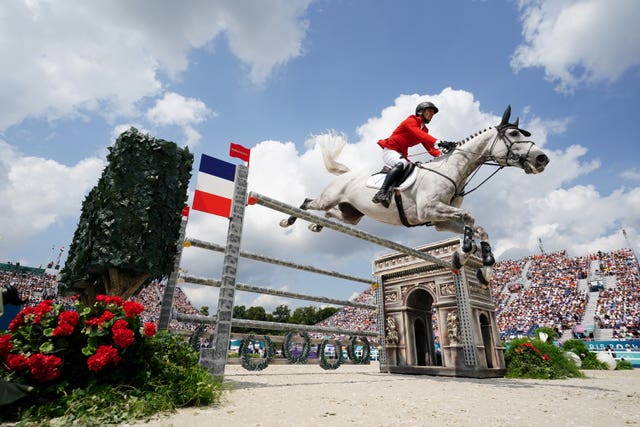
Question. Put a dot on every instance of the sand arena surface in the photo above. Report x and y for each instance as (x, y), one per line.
(360, 395)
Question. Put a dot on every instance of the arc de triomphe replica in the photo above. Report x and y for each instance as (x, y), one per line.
(434, 321)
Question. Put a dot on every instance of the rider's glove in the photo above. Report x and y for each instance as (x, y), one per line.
(447, 145)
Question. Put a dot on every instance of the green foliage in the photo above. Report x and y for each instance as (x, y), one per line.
(309, 315)
(624, 365)
(551, 333)
(131, 219)
(166, 377)
(325, 313)
(306, 347)
(527, 358)
(194, 340)
(366, 350)
(256, 313)
(247, 363)
(304, 316)
(589, 359)
(239, 311)
(576, 346)
(324, 362)
(281, 314)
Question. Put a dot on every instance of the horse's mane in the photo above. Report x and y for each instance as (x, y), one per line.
(470, 137)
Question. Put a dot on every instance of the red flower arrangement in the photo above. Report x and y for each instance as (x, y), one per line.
(527, 346)
(44, 367)
(67, 321)
(105, 354)
(48, 342)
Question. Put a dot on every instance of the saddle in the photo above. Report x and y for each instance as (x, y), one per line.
(408, 177)
(406, 180)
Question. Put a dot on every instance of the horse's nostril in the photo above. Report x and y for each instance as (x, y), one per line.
(542, 159)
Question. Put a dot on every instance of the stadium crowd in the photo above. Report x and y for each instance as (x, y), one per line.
(353, 318)
(619, 307)
(550, 297)
(539, 290)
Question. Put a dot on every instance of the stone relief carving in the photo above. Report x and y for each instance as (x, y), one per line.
(390, 297)
(453, 327)
(447, 289)
(391, 331)
(428, 285)
(479, 288)
(404, 290)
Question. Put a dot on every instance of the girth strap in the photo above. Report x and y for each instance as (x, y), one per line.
(403, 218)
(455, 186)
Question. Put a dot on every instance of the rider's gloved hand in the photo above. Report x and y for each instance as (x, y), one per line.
(447, 145)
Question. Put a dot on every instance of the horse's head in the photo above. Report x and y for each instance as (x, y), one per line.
(512, 148)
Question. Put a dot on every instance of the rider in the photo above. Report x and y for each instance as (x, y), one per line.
(412, 131)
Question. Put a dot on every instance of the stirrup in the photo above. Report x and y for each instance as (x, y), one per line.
(383, 197)
(380, 197)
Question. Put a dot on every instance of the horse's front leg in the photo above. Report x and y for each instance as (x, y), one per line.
(485, 248)
(450, 218)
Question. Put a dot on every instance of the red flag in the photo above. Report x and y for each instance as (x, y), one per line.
(240, 152)
(185, 211)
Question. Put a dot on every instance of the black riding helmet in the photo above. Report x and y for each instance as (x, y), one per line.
(424, 105)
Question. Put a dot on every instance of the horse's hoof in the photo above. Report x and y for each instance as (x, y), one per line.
(315, 228)
(488, 260)
(481, 278)
(288, 222)
(487, 255)
(455, 261)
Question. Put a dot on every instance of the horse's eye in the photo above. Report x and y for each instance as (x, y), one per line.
(514, 133)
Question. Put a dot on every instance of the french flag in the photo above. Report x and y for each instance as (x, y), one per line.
(214, 187)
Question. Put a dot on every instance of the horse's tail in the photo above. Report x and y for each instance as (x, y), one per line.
(331, 149)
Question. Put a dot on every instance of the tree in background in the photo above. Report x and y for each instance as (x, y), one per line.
(304, 316)
(309, 315)
(130, 220)
(256, 313)
(281, 314)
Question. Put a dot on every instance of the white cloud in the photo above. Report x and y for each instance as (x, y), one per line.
(250, 25)
(175, 109)
(35, 193)
(579, 42)
(53, 73)
(631, 174)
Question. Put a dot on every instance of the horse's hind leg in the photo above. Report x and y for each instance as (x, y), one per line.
(292, 219)
(338, 213)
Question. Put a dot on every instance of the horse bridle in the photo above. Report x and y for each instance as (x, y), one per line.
(502, 136)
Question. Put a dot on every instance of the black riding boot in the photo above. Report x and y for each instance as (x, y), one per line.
(384, 194)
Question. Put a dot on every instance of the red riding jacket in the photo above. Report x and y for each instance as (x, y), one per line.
(410, 132)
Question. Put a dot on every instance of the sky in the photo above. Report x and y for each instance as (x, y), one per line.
(277, 76)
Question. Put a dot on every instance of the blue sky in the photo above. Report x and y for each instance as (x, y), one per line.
(278, 76)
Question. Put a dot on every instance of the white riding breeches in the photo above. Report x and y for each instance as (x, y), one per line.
(392, 158)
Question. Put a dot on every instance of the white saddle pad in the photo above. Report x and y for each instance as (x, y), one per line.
(375, 181)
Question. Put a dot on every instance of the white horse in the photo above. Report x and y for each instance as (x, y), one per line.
(436, 189)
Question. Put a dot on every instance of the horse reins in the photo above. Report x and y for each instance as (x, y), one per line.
(500, 135)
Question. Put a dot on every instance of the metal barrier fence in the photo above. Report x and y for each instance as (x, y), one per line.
(215, 359)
